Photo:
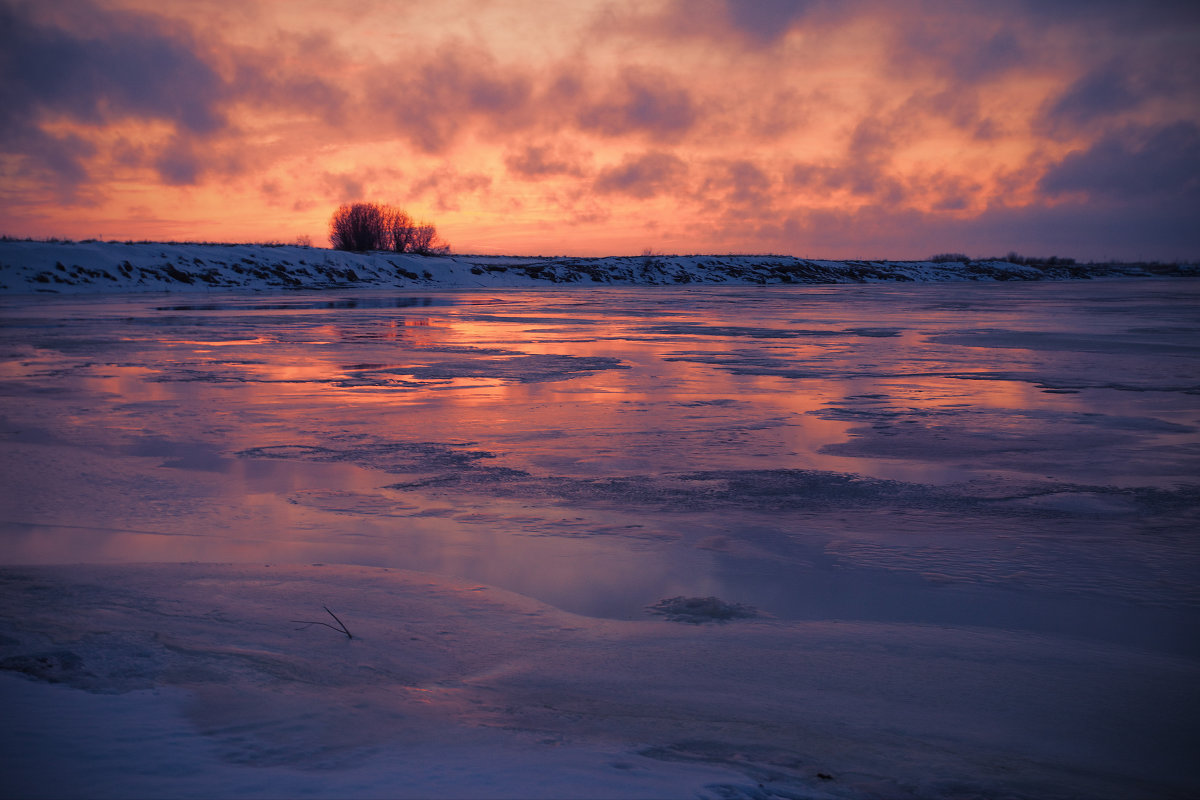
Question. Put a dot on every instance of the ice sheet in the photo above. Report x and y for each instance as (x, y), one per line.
(454, 689)
(931, 463)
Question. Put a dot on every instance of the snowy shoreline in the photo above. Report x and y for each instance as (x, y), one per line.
(28, 267)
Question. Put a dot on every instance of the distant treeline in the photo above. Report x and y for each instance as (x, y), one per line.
(1011, 258)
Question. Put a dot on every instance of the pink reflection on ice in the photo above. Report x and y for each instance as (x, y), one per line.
(581, 446)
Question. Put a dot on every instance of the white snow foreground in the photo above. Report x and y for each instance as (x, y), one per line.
(89, 267)
(193, 681)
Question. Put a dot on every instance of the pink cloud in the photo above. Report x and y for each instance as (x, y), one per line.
(543, 160)
(804, 123)
(643, 102)
(642, 176)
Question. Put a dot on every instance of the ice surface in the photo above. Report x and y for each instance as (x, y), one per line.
(456, 689)
(966, 515)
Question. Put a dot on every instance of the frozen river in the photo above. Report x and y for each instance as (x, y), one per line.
(1015, 455)
(1016, 458)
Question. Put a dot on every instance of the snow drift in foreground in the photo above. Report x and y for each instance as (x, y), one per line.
(456, 689)
(67, 267)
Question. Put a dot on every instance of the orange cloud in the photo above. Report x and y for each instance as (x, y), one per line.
(816, 128)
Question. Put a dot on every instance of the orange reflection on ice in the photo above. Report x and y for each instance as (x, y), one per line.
(586, 447)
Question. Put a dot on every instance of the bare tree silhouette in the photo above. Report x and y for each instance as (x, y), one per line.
(375, 226)
(399, 230)
(358, 227)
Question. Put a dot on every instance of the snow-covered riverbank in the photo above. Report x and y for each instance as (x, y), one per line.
(75, 267)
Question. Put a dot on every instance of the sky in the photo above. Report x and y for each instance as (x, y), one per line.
(850, 129)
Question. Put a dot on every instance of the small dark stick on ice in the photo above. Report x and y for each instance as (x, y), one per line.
(341, 626)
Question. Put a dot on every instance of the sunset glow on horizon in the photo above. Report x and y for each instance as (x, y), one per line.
(819, 129)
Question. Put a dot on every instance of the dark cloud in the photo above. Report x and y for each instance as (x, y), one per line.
(1160, 162)
(782, 112)
(343, 186)
(56, 160)
(540, 161)
(643, 176)
(961, 46)
(182, 159)
(295, 71)
(131, 66)
(437, 100)
(640, 102)
(1102, 92)
(959, 107)
(1076, 230)
(993, 56)
(432, 101)
(120, 66)
(864, 170)
(1134, 231)
(741, 24)
(947, 192)
(1117, 15)
(765, 21)
(872, 139)
(180, 163)
(741, 184)
(863, 179)
(260, 84)
(1141, 68)
(941, 190)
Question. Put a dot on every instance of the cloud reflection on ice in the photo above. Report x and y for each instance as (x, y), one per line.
(866, 452)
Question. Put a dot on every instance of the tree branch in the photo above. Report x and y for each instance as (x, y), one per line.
(340, 628)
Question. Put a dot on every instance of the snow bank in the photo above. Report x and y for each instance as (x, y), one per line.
(74, 267)
(193, 680)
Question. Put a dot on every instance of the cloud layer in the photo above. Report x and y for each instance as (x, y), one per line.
(850, 129)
